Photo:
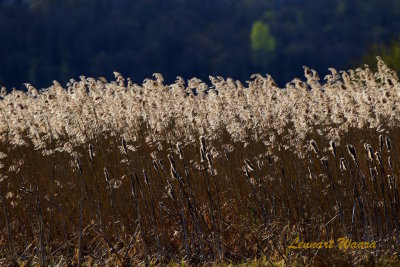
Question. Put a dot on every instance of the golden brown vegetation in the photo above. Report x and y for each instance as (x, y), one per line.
(117, 173)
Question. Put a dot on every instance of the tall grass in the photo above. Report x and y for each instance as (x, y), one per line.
(117, 173)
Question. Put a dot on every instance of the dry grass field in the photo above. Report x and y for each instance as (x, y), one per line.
(114, 173)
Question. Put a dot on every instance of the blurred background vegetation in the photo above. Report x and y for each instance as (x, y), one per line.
(46, 40)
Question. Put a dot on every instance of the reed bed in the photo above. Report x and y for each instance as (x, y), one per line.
(115, 173)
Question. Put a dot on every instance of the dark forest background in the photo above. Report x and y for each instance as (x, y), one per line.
(46, 40)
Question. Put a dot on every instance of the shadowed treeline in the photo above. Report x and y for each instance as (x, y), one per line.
(46, 40)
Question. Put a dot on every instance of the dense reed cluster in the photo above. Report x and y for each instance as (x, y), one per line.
(181, 112)
(117, 173)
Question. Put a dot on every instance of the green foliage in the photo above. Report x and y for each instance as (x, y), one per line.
(389, 53)
(261, 38)
(263, 43)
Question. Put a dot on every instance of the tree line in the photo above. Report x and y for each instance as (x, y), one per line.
(46, 40)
